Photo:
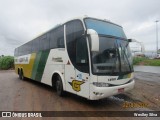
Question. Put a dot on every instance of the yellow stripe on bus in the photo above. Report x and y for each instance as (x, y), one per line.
(27, 68)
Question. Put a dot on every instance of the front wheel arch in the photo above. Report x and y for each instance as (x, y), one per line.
(57, 78)
(53, 79)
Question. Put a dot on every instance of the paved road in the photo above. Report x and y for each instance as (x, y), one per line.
(152, 77)
(27, 95)
(149, 69)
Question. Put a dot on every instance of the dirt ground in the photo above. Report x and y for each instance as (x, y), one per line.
(28, 95)
(147, 89)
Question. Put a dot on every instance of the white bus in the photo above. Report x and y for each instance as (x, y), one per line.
(85, 56)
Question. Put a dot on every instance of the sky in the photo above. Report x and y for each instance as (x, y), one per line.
(23, 20)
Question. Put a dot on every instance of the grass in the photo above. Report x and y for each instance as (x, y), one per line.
(146, 61)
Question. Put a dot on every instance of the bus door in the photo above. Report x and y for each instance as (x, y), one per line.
(82, 68)
(70, 77)
(82, 84)
(77, 72)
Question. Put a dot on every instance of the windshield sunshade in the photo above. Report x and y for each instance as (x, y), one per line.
(105, 28)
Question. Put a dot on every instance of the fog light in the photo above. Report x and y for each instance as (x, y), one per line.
(98, 94)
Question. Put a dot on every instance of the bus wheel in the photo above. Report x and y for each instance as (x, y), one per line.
(59, 86)
(21, 76)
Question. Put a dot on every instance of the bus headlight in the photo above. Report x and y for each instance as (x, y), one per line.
(100, 84)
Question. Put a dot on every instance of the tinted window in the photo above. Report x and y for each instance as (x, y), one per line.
(77, 45)
(35, 45)
(26, 48)
(82, 61)
(57, 38)
(53, 39)
(16, 52)
(19, 50)
(81, 51)
(29, 47)
(44, 42)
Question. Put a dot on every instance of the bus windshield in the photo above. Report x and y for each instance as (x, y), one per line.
(114, 56)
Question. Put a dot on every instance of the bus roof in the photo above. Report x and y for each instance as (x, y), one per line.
(80, 18)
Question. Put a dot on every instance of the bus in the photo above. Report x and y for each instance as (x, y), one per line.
(86, 56)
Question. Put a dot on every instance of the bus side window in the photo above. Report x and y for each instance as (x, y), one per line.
(60, 43)
(27, 48)
(77, 45)
(52, 39)
(74, 30)
(20, 50)
(44, 42)
(81, 51)
(35, 45)
(57, 38)
(60, 37)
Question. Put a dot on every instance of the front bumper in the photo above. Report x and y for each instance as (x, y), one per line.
(103, 92)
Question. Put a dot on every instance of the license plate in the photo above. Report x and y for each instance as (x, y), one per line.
(121, 90)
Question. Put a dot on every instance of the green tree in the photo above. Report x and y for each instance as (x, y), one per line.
(6, 62)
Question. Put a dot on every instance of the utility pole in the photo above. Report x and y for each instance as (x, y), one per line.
(157, 34)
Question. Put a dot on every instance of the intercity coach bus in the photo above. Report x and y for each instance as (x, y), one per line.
(85, 56)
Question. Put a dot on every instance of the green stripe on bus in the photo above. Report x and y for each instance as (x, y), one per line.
(35, 66)
(42, 64)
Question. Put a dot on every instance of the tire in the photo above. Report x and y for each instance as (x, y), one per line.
(21, 76)
(59, 87)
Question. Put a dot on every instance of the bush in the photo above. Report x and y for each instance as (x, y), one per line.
(146, 61)
(154, 62)
(6, 62)
(137, 60)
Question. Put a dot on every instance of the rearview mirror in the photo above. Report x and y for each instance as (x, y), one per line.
(94, 39)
